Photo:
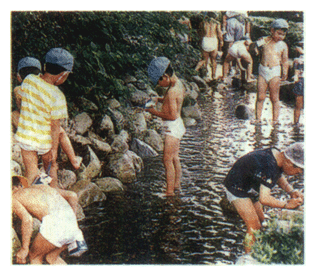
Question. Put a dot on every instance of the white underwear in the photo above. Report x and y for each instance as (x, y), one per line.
(32, 148)
(269, 73)
(174, 128)
(209, 44)
(61, 227)
(231, 197)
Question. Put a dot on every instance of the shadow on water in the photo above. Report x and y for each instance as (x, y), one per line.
(141, 227)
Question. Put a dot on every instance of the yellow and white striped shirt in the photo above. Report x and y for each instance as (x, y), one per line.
(41, 103)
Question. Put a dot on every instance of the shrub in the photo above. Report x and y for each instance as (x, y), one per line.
(280, 245)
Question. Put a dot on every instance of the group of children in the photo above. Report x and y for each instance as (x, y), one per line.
(41, 107)
(273, 68)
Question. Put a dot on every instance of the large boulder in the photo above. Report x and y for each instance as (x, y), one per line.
(66, 178)
(124, 166)
(100, 146)
(82, 122)
(107, 125)
(139, 98)
(120, 142)
(109, 184)
(142, 149)
(91, 165)
(153, 139)
(193, 111)
(139, 123)
(88, 192)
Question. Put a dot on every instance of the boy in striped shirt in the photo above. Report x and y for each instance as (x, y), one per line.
(43, 105)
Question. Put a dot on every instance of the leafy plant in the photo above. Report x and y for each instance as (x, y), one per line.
(278, 244)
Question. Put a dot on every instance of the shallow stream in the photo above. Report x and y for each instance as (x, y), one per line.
(141, 227)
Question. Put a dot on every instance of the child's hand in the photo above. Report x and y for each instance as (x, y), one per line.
(293, 203)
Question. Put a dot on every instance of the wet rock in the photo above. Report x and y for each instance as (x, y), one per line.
(120, 142)
(66, 178)
(109, 184)
(107, 125)
(91, 166)
(142, 149)
(88, 192)
(200, 82)
(192, 112)
(82, 122)
(113, 103)
(100, 146)
(87, 104)
(15, 168)
(117, 119)
(16, 155)
(80, 140)
(139, 123)
(243, 112)
(139, 98)
(153, 139)
(189, 122)
(124, 166)
(130, 79)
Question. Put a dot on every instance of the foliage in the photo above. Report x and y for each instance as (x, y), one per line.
(106, 45)
(280, 245)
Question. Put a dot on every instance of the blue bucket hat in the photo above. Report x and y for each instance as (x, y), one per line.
(279, 24)
(60, 57)
(29, 62)
(157, 68)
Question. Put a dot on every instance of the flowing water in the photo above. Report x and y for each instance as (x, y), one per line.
(141, 227)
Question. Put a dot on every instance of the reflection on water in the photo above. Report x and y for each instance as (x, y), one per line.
(141, 227)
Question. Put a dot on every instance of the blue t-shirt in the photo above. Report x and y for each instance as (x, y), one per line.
(252, 170)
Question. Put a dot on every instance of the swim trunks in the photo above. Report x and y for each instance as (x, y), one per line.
(238, 49)
(209, 44)
(299, 87)
(174, 128)
(60, 227)
(235, 30)
(252, 170)
(269, 73)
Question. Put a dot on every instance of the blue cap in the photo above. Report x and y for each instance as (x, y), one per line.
(60, 57)
(279, 24)
(157, 68)
(29, 62)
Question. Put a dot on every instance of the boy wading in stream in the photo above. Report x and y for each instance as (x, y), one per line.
(160, 71)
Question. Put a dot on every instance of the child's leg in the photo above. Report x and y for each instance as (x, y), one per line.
(274, 88)
(53, 257)
(15, 118)
(213, 56)
(30, 160)
(248, 59)
(261, 95)
(299, 102)
(48, 158)
(39, 249)
(227, 61)
(67, 148)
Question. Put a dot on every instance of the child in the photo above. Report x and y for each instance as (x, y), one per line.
(210, 34)
(56, 209)
(239, 51)
(31, 65)
(160, 71)
(250, 181)
(42, 107)
(298, 89)
(273, 67)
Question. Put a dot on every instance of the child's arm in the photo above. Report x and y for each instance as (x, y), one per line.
(55, 130)
(18, 98)
(285, 63)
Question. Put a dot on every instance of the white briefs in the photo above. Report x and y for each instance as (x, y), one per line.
(209, 44)
(174, 128)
